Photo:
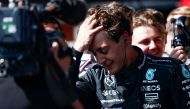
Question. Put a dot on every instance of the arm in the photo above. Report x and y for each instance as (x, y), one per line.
(181, 87)
(85, 37)
(67, 79)
(83, 85)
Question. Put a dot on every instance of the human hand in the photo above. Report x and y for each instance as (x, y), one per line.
(63, 62)
(86, 34)
(178, 53)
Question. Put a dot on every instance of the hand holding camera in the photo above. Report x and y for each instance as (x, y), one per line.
(180, 44)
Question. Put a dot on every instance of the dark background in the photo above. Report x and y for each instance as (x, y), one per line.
(165, 6)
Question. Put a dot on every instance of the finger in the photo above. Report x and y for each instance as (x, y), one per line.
(91, 18)
(88, 20)
(55, 48)
(54, 45)
(172, 52)
(97, 29)
(178, 48)
(178, 53)
(92, 23)
(182, 57)
(184, 60)
(85, 26)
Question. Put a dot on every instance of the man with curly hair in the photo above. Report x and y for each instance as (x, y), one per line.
(124, 77)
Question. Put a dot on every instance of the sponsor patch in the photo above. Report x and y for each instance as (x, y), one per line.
(150, 74)
(185, 71)
(109, 80)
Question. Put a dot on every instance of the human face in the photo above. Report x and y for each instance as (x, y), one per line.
(149, 40)
(108, 53)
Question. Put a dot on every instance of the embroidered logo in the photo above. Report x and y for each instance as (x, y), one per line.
(150, 74)
(109, 80)
(185, 71)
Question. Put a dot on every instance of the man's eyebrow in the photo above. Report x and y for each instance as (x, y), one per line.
(92, 51)
(98, 50)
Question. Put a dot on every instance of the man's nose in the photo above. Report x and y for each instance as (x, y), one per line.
(152, 45)
(100, 58)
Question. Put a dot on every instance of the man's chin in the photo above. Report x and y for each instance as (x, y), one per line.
(112, 72)
(157, 54)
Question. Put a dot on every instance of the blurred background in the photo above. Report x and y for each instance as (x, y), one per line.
(165, 6)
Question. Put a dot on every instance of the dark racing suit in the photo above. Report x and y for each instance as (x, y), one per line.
(148, 83)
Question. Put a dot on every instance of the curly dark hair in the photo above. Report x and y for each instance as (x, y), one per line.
(114, 17)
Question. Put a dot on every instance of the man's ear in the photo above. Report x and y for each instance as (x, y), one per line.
(126, 37)
(125, 40)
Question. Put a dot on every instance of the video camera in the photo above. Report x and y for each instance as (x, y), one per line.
(24, 42)
(181, 34)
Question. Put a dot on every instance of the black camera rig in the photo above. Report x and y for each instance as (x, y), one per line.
(181, 34)
(24, 43)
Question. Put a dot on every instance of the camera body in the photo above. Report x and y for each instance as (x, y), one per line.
(24, 42)
(181, 34)
(26, 55)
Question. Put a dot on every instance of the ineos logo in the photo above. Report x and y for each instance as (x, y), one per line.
(150, 88)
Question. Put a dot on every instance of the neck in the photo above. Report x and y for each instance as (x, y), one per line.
(131, 56)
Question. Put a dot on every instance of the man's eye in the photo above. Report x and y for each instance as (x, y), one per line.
(159, 40)
(145, 42)
(103, 51)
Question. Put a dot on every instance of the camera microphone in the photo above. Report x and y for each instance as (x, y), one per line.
(181, 35)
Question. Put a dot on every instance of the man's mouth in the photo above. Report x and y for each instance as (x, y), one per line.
(108, 65)
(155, 53)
